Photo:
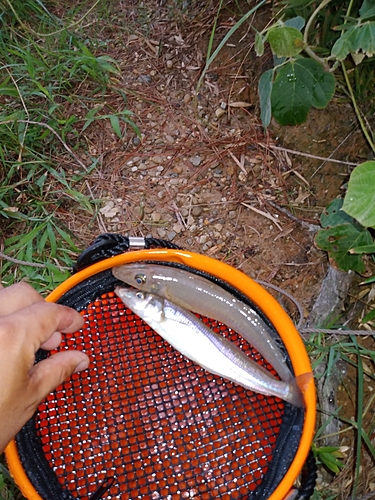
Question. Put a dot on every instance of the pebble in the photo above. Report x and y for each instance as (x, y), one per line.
(142, 166)
(136, 141)
(169, 138)
(178, 169)
(196, 160)
(169, 64)
(177, 228)
(203, 239)
(197, 211)
(207, 245)
(145, 79)
(161, 232)
(155, 216)
(171, 235)
(218, 227)
(184, 212)
(232, 214)
(193, 228)
(190, 220)
(187, 98)
(219, 112)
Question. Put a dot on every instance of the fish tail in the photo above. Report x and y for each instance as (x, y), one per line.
(298, 387)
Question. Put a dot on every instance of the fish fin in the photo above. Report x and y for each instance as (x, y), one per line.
(303, 381)
(298, 387)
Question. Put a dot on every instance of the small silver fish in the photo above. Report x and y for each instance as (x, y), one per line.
(186, 333)
(204, 297)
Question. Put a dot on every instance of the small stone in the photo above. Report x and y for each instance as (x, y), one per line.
(169, 64)
(177, 228)
(218, 227)
(196, 160)
(157, 159)
(232, 214)
(134, 169)
(142, 166)
(136, 141)
(169, 138)
(174, 182)
(197, 211)
(219, 112)
(190, 220)
(223, 105)
(168, 56)
(203, 239)
(161, 232)
(184, 212)
(177, 169)
(155, 216)
(145, 79)
(193, 228)
(171, 235)
(207, 245)
(187, 98)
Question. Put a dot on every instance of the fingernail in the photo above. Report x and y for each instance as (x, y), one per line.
(83, 365)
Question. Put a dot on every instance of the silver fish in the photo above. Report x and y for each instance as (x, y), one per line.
(202, 296)
(190, 336)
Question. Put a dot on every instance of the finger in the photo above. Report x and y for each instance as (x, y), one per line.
(53, 342)
(53, 371)
(16, 297)
(37, 323)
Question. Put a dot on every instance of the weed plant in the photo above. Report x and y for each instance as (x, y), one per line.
(52, 83)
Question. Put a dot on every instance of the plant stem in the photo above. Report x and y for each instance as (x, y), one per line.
(306, 34)
(357, 110)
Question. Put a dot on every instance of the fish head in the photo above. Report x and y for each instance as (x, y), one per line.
(140, 276)
(145, 305)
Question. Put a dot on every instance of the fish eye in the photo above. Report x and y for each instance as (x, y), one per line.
(140, 295)
(140, 279)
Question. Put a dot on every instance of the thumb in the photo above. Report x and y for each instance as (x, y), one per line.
(53, 371)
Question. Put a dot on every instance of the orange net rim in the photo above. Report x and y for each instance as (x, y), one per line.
(258, 295)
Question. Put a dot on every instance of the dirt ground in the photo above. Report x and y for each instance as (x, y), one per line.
(204, 174)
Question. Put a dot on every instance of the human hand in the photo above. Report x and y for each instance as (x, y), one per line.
(28, 323)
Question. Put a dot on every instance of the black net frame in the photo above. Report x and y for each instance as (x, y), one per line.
(230, 468)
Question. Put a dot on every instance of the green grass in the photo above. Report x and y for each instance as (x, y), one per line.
(53, 78)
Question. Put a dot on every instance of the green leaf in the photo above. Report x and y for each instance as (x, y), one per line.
(299, 85)
(367, 9)
(359, 201)
(115, 125)
(363, 249)
(264, 90)
(285, 41)
(345, 44)
(297, 22)
(365, 40)
(334, 216)
(369, 316)
(338, 240)
(259, 44)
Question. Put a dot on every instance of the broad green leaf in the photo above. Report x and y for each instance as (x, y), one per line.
(365, 39)
(297, 22)
(285, 41)
(345, 44)
(332, 215)
(367, 9)
(338, 240)
(299, 85)
(264, 90)
(359, 201)
(259, 44)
